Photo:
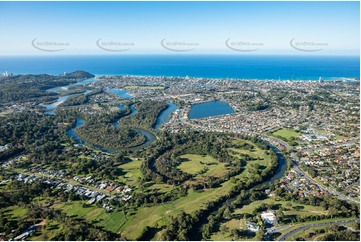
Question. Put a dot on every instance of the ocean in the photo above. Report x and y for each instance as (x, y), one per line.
(208, 66)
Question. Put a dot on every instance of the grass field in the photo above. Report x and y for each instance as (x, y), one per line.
(132, 172)
(51, 230)
(196, 163)
(110, 221)
(156, 216)
(132, 225)
(150, 216)
(295, 208)
(227, 236)
(219, 237)
(13, 212)
(286, 134)
(261, 157)
(159, 187)
(233, 224)
(16, 212)
(145, 87)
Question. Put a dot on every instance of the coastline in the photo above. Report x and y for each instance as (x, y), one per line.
(246, 67)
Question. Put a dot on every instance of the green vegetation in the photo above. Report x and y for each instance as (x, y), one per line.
(309, 234)
(23, 209)
(202, 165)
(190, 185)
(200, 200)
(49, 230)
(328, 233)
(158, 216)
(93, 214)
(287, 134)
(32, 87)
(100, 130)
(37, 134)
(244, 149)
(15, 211)
(146, 116)
(131, 172)
(79, 99)
(109, 136)
(289, 208)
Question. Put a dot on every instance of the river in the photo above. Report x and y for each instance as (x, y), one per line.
(150, 138)
(49, 109)
(52, 106)
(280, 171)
(163, 117)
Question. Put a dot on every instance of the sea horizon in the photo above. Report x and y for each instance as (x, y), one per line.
(255, 67)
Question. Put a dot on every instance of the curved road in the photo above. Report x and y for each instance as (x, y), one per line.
(308, 226)
(339, 195)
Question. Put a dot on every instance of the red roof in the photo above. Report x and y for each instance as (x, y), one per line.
(109, 188)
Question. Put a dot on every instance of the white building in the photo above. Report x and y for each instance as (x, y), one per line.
(269, 217)
(252, 227)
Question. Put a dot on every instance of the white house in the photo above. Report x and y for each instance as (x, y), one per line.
(269, 217)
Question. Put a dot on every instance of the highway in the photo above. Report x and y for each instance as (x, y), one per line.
(308, 226)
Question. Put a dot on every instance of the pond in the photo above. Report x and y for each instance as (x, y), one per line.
(209, 109)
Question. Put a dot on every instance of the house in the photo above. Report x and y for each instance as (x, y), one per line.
(109, 188)
(269, 217)
(91, 201)
(252, 227)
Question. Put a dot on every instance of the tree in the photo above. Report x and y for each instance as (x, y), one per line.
(205, 232)
(280, 215)
(332, 211)
(224, 229)
(259, 235)
(227, 213)
(235, 234)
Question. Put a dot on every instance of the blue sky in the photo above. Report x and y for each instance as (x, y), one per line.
(139, 27)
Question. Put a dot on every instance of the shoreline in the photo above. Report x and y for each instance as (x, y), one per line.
(325, 79)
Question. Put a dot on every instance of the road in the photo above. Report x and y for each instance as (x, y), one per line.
(340, 196)
(276, 142)
(308, 226)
